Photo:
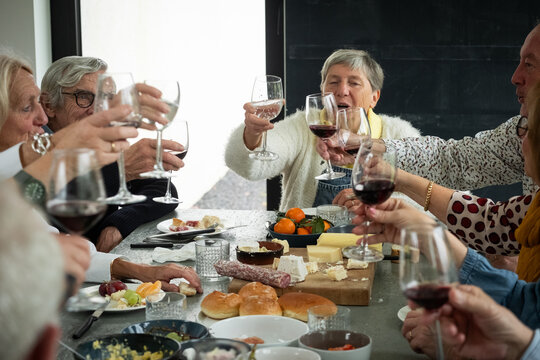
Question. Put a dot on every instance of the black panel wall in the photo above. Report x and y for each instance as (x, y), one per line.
(447, 64)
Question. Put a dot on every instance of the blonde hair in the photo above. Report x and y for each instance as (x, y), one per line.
(10, 64)
(533, 133)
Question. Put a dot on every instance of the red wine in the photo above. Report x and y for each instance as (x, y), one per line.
(352, 149)
(373, 192)
(181, 155)
(429, 296)
(76, 216)
(323, 131)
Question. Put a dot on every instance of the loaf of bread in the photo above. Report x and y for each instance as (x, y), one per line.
(254, 305)
(296, 304)
(258, 289)
(218, 305)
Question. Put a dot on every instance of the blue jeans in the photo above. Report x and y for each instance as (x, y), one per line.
(327, 190)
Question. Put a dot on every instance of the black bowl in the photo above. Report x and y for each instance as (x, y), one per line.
(295, 240)
(275, 250)
(164, 327)
(344, 229)
(137, 342)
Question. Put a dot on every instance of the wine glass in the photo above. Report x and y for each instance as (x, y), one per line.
(321, 117)
(182, 136)
(267, 98)
(115, 89)
(354, 129)
(372, 181)
(427, 269)
(170, 95)
(76, 195)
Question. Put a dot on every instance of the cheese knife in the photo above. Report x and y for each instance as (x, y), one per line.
(95, 315)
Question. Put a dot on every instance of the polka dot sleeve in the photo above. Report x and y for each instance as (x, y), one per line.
(485, 225)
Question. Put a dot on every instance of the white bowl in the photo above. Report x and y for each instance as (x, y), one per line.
(320, 341)
(274, 330)
(285, 352)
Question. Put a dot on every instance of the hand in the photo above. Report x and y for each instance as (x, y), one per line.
(347, 198)
(480, 328)
(421, 337)
(254, 127)
(151, 107)
(76, 256)
(141, 157)
(108, 239)
(330, 148)
(503, 262)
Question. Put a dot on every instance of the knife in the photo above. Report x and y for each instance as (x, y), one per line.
(95, 315)
(183, 234)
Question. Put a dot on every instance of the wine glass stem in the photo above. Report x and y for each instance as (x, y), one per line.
(440, 349)
(158, 166)
(365, 246)
(168, 192)
(330, 170)
(122, 175)
(263, 142)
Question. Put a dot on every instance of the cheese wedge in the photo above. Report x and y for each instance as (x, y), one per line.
(337, 273)
(343, 240)
(285, 244)
(328, 254)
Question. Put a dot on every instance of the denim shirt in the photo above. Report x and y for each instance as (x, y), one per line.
(327, 190)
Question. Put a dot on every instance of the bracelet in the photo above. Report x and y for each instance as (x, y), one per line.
(41, 143)
(428, 196)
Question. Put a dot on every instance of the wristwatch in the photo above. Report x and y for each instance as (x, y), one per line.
(32, 189)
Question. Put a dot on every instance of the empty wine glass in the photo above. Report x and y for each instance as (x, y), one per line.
(115, 89)
(267, 98)
(170, 94)
(427, 269)
(354, 129)
(372, 181)
(182, 136)
(321, 117)
(76, 194)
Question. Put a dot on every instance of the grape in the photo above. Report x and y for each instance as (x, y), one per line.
(110, 287)
(132, 297)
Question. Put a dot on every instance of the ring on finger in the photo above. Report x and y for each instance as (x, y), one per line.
(113, 147)
(409, 335)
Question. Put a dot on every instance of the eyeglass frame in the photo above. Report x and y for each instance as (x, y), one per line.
(76, 95)
(522, 127)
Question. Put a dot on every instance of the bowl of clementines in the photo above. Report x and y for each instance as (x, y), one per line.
(298, 228)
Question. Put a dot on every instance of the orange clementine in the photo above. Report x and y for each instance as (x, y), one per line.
(148, 288)
(302, 231)
(326, 225)
(285, 226)
(295, 214)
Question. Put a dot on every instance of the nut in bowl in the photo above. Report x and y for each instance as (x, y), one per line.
(339, 340)
(265, 254)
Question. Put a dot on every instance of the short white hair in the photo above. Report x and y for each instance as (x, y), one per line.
(31, 275)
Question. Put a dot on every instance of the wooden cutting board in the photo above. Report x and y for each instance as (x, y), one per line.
(355, 290)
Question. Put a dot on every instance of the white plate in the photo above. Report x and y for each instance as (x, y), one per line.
(205, 320)
(164, 227)
(274, 330)
(286, 352)
(92, 293)
(402, 313)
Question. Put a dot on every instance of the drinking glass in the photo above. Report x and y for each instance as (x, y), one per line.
(182, 136)
(267, 98)
(324, 317)
(115, 89)
(372, 181)
(208, 251)
(427, 269)
(76, 195)
(166, 305)
(321, 117)
(354, 129)
(170, 95)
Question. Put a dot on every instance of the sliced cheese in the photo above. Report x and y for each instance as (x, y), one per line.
(329, 254)
(343, 240)
(356, 264)
(285, 244)
(275, 264)
(312, 267)
(337, 273)
(294, 266)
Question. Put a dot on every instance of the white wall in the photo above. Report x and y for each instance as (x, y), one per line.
(215, 49)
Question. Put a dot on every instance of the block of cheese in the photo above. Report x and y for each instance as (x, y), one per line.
(342, 240)
(312, 267)
(329, 254)
(356, 264)
(248, 246)
(294, 266)
(337, 273)
(275, 264)
(285, 244)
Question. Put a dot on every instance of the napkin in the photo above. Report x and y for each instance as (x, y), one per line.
(186, 252)
(343, 240)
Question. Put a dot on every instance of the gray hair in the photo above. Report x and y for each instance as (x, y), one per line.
(67, 72)
(356, 60)
(31, 276)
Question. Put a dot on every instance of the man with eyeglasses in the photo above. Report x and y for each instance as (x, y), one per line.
(67, 95)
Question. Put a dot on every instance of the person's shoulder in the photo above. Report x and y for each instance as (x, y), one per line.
(396, 127)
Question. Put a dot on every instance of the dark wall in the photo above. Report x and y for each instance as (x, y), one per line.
(447, 64)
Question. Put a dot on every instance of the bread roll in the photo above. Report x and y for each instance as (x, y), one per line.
(296, 304)
(254, 305)
(256, 288)
(218, 305)
(187, 289)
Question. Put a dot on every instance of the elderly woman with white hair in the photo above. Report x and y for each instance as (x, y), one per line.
(356, 80)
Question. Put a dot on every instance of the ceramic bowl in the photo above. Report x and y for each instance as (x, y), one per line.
(294, 240)
(192, 329)
(285, 352)
(321, 341)
(193, 348)
(275, 250)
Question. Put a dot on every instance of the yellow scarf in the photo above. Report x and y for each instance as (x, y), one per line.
(375, 124)
(528, 235)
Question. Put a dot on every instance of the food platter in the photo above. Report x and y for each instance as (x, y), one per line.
(88, 299)
(164, 227)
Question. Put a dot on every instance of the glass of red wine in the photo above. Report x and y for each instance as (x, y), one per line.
(267, 98)
(372, 180)
(427, 269)
(321, 118)
(354, 129)
(76, 194)
(170, 95)
(182, 136)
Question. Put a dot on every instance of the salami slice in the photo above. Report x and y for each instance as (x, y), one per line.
(238, 270)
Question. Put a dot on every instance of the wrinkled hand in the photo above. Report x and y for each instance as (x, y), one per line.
(76, 256)
(421, 337)
(254, 127)
(166, 273)
(151, 107)
(108, 239)
(330, 148)
(347, 198)
(141, 157)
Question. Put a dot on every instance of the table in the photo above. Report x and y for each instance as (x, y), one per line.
(378, 320)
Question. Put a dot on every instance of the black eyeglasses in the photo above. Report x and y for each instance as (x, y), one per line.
(522, 126)
(84, 99)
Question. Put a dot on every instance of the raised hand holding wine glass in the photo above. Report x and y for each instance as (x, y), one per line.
(267, 99)
(321, 118)
(372, 180)
(115, 89)
(427, 269)
(76, 195)
(170, 95)
(354, 129)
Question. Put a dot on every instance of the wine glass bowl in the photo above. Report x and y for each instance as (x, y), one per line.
(354, 129)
